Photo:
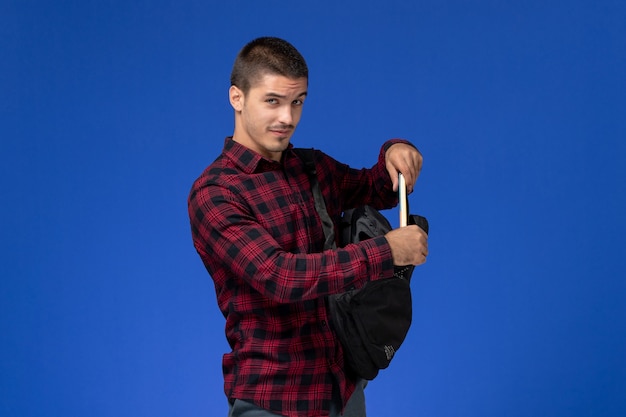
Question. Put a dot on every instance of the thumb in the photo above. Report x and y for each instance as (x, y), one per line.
(393, 173)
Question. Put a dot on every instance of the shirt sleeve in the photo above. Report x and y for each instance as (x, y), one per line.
(344, 187)
(233, 245)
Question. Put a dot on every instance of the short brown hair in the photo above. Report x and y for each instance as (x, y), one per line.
(267, 55)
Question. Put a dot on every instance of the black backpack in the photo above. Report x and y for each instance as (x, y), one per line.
(370, 322)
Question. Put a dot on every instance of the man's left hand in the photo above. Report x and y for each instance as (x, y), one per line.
(406, 159)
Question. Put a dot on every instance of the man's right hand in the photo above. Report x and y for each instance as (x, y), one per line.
(409, 245)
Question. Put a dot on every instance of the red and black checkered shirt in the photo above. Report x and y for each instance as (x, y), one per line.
(254, 225)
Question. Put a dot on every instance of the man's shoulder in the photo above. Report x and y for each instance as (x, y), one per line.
(222, 165)
(220, 173)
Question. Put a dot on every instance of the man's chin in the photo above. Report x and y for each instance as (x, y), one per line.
(281, 144)
(277, 148)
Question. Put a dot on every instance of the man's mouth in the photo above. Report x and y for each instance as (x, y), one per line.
(281, 132)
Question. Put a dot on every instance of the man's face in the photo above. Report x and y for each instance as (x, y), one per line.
(267, 116)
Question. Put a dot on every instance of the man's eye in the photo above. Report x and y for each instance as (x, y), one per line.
(298, 102)
(271, 101)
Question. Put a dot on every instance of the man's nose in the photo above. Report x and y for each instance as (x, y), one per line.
(286, 115)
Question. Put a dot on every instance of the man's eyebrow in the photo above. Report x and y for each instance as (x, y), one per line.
(276, 95)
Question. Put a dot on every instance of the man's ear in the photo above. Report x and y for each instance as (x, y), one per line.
(236, 97)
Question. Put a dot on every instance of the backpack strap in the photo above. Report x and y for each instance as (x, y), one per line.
(308, 156)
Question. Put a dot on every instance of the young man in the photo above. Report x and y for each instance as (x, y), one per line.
(254, 225)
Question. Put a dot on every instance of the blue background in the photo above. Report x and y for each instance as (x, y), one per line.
(109, 111)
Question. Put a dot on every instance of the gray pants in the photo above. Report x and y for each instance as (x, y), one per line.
(354, 408)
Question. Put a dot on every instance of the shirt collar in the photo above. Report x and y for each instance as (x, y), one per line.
(246, 159)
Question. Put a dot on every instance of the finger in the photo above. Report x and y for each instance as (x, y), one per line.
(418, 165)
(393, 173)
(415, 166)
(409, 175)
